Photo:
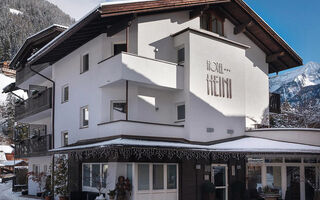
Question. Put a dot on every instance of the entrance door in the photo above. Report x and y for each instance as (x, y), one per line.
(293, 183)
(219, 175)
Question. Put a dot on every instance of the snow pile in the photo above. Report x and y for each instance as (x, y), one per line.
(7, 194)
(5, 81)
(6, 148)
(15, 11)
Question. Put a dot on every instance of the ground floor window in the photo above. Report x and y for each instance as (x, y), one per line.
(94, 175)
(156, 177)
(283, 176)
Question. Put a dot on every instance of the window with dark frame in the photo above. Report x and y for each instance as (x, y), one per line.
(84, 117)
(118, 48)
(181, 112)
(65, 138)
(65, 93)
(85, 63)
(211, 21)
(94, 175)
(181, 56)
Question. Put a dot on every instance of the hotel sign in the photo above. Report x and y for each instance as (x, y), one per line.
(218, 83)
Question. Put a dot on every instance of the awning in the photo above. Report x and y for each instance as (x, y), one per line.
(236, 148)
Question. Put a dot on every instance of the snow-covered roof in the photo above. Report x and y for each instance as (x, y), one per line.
(5, 81)
(6, 148)
(9, 163)
(247, 144)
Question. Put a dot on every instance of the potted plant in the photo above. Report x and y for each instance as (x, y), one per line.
(61, 177)
(112, 194)
(39, 179)
(48, 188)
(208, 190)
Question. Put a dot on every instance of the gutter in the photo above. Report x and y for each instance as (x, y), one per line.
(52, 120)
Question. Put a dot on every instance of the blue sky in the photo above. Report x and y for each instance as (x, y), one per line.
(296, 21)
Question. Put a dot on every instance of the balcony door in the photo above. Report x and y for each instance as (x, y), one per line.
(219, 173)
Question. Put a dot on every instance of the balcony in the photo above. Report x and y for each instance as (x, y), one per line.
(136, 128)
(127, 66)
(32, 140)
(25, 77)
(274, 103)
(39, 102)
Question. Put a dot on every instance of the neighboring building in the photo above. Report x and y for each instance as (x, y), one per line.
(168, 94)
(5, 69)
(6, 153)
(35, 112)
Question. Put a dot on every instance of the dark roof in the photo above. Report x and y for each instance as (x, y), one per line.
(112, 18)
(36, 41)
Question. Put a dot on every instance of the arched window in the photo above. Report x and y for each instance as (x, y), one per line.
(211, 21)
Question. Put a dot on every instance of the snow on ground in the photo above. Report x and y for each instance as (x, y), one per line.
(7, 194)
(15, 11)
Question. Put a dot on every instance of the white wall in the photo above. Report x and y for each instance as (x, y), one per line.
(154, 33)
(249, 74)
(303, 136)
(256, 79)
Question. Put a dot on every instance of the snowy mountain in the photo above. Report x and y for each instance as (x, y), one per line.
(300, 96)
(295, 84)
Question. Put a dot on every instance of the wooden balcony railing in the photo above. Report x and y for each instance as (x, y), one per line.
(35, 104)
(36, 146)
(274, 103)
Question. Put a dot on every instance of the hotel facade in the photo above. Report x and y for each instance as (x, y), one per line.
(169, 94)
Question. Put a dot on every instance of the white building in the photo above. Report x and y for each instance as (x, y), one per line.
(169, 94)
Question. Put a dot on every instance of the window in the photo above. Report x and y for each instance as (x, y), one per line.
(65, 94)
(254, 178)
(84, 63)
(118, 110)
(104, 174)
(118, 48)
(211, 21)
(273, 178)
(180, 112)
(84, 117)
(94, 175)
(172, 177)
(143, 176)
(129, 172)
(64, 138)
(152, 177)
(96, 172)
(86, 175)
(158, 182)
(36, 169)
(45, 168)
(181, 56)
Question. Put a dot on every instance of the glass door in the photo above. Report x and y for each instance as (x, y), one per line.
(310, 182)
(293, 183)
(219, 175)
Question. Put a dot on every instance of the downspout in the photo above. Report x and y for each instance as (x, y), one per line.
(52, 120)
(127, 82)
(52, 100)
